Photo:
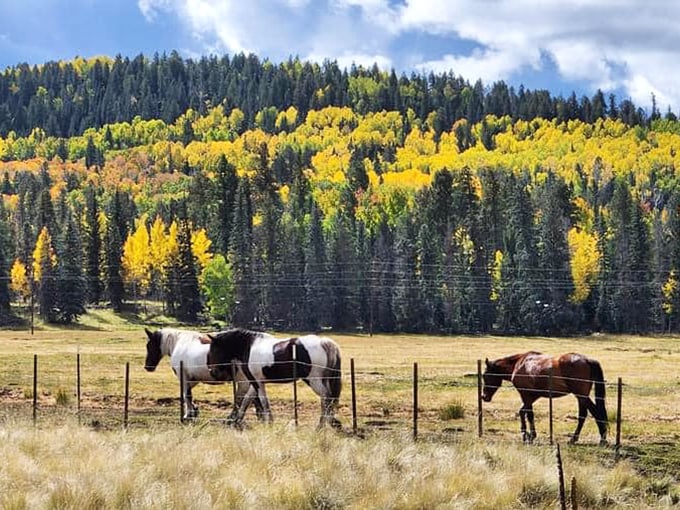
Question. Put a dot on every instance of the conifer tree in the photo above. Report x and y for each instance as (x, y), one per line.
(241, 258)
(70, 278)
(316, 305)
(93, 246)
(5, 257)
(189, 304)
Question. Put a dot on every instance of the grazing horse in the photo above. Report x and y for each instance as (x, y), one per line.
(188, 349)
(530, 373)
(264, 358)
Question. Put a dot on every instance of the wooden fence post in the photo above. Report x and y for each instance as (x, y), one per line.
(619, 402)
(415, 401)
(479, 398)
(550, 404)
(127, 395)
(181, 391)
(35, 388)
(78, 385)
(354, 396)
(560, 475)
(295, 400)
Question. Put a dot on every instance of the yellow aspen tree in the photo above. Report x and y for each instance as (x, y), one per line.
(43, 251)
(19, 280)
(136, 260)
(200, 247)
(585, 262)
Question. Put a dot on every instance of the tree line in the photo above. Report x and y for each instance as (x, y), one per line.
(477, 252)
(64, 99)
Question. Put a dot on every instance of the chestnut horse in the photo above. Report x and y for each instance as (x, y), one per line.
(530, 373)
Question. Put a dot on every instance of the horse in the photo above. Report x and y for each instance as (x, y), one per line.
(188, 349)
(530, 373)
(264, 358)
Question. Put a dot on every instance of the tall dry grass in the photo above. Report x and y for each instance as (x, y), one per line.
(280, 467)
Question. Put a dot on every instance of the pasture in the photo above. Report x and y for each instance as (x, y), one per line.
(74, 459)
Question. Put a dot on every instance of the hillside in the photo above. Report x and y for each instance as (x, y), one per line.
(342, 216)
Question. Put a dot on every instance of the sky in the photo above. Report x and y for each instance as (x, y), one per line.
(627, 47)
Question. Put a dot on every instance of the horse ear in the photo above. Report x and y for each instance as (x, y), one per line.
(487, 362)
(205, 339)
(148, 333)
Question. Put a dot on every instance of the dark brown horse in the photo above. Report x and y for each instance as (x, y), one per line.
(530, 373)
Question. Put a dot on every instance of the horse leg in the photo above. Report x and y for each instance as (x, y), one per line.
(263, 400)
(532, 426)
(190, 410)
(600, 420)
(582, 413)
(241, 405)
(523, 424)
(328, 401)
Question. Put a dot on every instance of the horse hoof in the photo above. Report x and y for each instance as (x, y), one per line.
(604, 442)
(573, 439)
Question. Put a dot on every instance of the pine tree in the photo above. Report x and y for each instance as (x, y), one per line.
(5, 257)
(317, 295)
(226, 188)
(114, 252)
(70, 277)
(559, 316)
(241, 258)
(189, 296)
(93, 247)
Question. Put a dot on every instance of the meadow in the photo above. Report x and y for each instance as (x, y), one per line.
(85, 458)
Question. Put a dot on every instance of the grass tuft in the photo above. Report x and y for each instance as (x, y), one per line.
(452, 411)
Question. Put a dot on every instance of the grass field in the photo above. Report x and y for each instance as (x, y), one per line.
(86, 459)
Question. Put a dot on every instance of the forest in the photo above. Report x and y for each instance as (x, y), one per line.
(299, 196)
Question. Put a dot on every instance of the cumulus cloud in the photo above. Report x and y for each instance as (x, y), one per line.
(609, 44)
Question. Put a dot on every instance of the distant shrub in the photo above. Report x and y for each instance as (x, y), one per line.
(63, 398)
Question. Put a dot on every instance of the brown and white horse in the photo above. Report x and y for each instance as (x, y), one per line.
(530, 373)
(264, 358)
(188, 349)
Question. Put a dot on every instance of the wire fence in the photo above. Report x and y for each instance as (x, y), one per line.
(416, 399)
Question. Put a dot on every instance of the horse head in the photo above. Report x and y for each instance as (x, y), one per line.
(220, 355)
(153, 350)
(492, 380)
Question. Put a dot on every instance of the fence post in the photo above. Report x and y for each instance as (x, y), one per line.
(574, 494)
(78, 385)
(550, 406)
(479, 398)
(35, 388)
(295, 402)
(619, 401)
(127, 395)
(354, 396)
(560, 475)
(415, 401)
(181, 391)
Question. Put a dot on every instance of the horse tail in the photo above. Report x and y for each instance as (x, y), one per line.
(333, 370)
(598, 379)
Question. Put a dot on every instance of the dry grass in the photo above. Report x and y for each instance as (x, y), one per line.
(71, 461)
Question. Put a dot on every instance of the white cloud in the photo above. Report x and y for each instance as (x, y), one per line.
(609, 44)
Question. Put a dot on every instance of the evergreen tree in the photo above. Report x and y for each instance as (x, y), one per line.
(189, 296)
(70, 277)
(317, 293)
(93, 247)
(5, 261)
(226, 189)
(407, 307)
(241, 258)
(557, 286)
(114, 252)
(341, 271)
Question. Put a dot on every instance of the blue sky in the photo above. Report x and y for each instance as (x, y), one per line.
(629, 47)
